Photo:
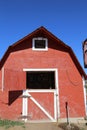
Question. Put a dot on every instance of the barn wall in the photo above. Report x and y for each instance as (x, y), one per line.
(7, 110)
(69, 79)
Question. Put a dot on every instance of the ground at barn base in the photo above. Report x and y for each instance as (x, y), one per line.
(47, 126)
(79, 124)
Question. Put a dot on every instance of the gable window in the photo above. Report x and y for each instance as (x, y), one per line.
(40, 44)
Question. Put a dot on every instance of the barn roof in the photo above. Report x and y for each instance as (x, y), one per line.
(44, 31)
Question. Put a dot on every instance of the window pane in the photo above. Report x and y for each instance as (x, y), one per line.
(41, 80)
(40, 43)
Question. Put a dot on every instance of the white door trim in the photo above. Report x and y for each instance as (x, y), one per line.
(25, 104)
(42, 69)
(56, 94)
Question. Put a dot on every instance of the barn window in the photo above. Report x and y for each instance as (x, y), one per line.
(40, 44)
(40, 80)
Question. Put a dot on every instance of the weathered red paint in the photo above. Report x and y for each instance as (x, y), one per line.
(46, 100)
(60, 56)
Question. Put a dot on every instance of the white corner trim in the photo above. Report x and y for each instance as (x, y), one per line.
(2, 78)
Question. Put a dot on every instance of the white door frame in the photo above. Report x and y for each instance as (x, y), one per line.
(56, 95)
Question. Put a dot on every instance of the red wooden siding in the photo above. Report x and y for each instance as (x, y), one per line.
(14, 79)
(10, 111)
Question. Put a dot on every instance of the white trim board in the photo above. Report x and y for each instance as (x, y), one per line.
(42, 69)
(41, 90)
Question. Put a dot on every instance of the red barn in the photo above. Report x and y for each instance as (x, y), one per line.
(39, 75)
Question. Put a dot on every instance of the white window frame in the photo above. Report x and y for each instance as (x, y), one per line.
(40, 49)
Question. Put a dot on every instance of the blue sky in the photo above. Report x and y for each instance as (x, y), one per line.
(66, 19)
